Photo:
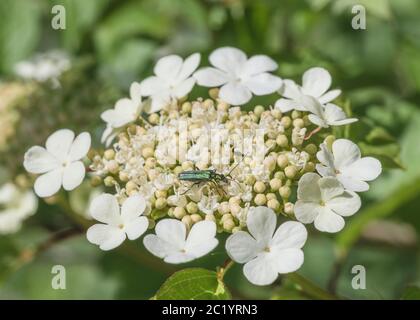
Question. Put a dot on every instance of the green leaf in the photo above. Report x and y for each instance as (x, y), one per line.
(379, 135)
(193, 284)
(411, 293)
(388, 154)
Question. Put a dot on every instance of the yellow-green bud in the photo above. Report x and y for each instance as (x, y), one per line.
(282, 141)
(179, 212)
(329, 141)
(288, 208)
(279, 175)
(150, 162)
(187, 221)
(250, 180)
(225, 217)
(112, 166)
(286, 122)
(152, 224)
(298, 123)
(258, 110)
(109, 154)
(285, 192)
(210, 217)
(154, 118)
(276, 113)
(186, 107)
(309, 167)
(270, 196)
(282, 161)
(160, 203)
(224, 208)
(109, 181)
(260, 199)
(275, 184)
(196, 217)
(290, 171)
(259, 187)
(95, 181)
(214, 93)
(147, 152)
(296, 114)
(273, 204)
(123, 176)
(311, 148)
(228, 225)
(130, 186)
(192, 207)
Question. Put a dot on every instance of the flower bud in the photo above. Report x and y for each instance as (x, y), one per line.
(290, 171)
(148, 152)
(154, 118)
(282, 141)
(275, 184)
(192, 208)
(109, 154)
(210, 217)
(258, 110)
(282, 161)
(270, 196)
(260, 199)
(214, 93)
(196, 218)
(186, 107)
(259, 187)
(224, 208)
(179, 212)
(112, 166)
(288, 208)
(130, 185)
(160, 203)
(109, 181)
(286, 122)
(250, 180)
(311, 149)
(123, 176)
(285, 192)
(95, 181)
(187, 221)
(273, 204)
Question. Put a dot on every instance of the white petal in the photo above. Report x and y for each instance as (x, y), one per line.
(183, 88)
(132, 207)
(306, 211)
(188, 67)
(345, 205)
(353, 184)
(325, 156)
(285, 105)
(259, 64)
(172, 231)
(330, 188)
(107, 237)
(160, 101)
(158, 247)
(365, 169)
(261, 271)
(290, 234)
(312, 105)
(241, 247)
(235, 93)
(328, 221)
(105, 208)
(39, 160)
(261, 223)
(136, 227)
(202, 231)
(49, 183)
(168, 67)
(329, 96)
(290, 90)
(59, 143)
(308, 188)
(288, 260)
(334, 115)
(135, 92)
(80, 146)
(178, 257)
(152, 85)
(73, 175)
(262, 84)
(211, 77)
(316, 81)
(320, 122)
(228, 59)
(345, 153)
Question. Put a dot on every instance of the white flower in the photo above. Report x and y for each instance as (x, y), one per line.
(325, 116)
(324, 202)
(346, 164)
(172, 244)
(59, 162)
(315, 82)
(44, 67)
(239, 76)
(164, 181)
(172, 80)
(125, 111)
(116, 225)
(267, 253)
(16, 206)
(208, 204)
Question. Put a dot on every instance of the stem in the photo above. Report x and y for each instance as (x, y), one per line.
(310, 288)
(224, 268)
(312, 133)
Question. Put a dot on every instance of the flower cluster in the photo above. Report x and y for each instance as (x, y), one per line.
(192, 168)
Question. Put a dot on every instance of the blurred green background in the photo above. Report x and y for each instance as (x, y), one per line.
(113, 42)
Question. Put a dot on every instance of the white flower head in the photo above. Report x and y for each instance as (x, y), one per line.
(59, 163)
(325, 116)
(238, 76)
(315, 82)
(172, 244)
(125, 111)
(324, 202)
(117, 223)
(16, 205)
(267, 252)
(346, 164)
(44, 67)
(172, 80)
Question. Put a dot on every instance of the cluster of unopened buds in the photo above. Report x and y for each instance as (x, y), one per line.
(189, 169)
